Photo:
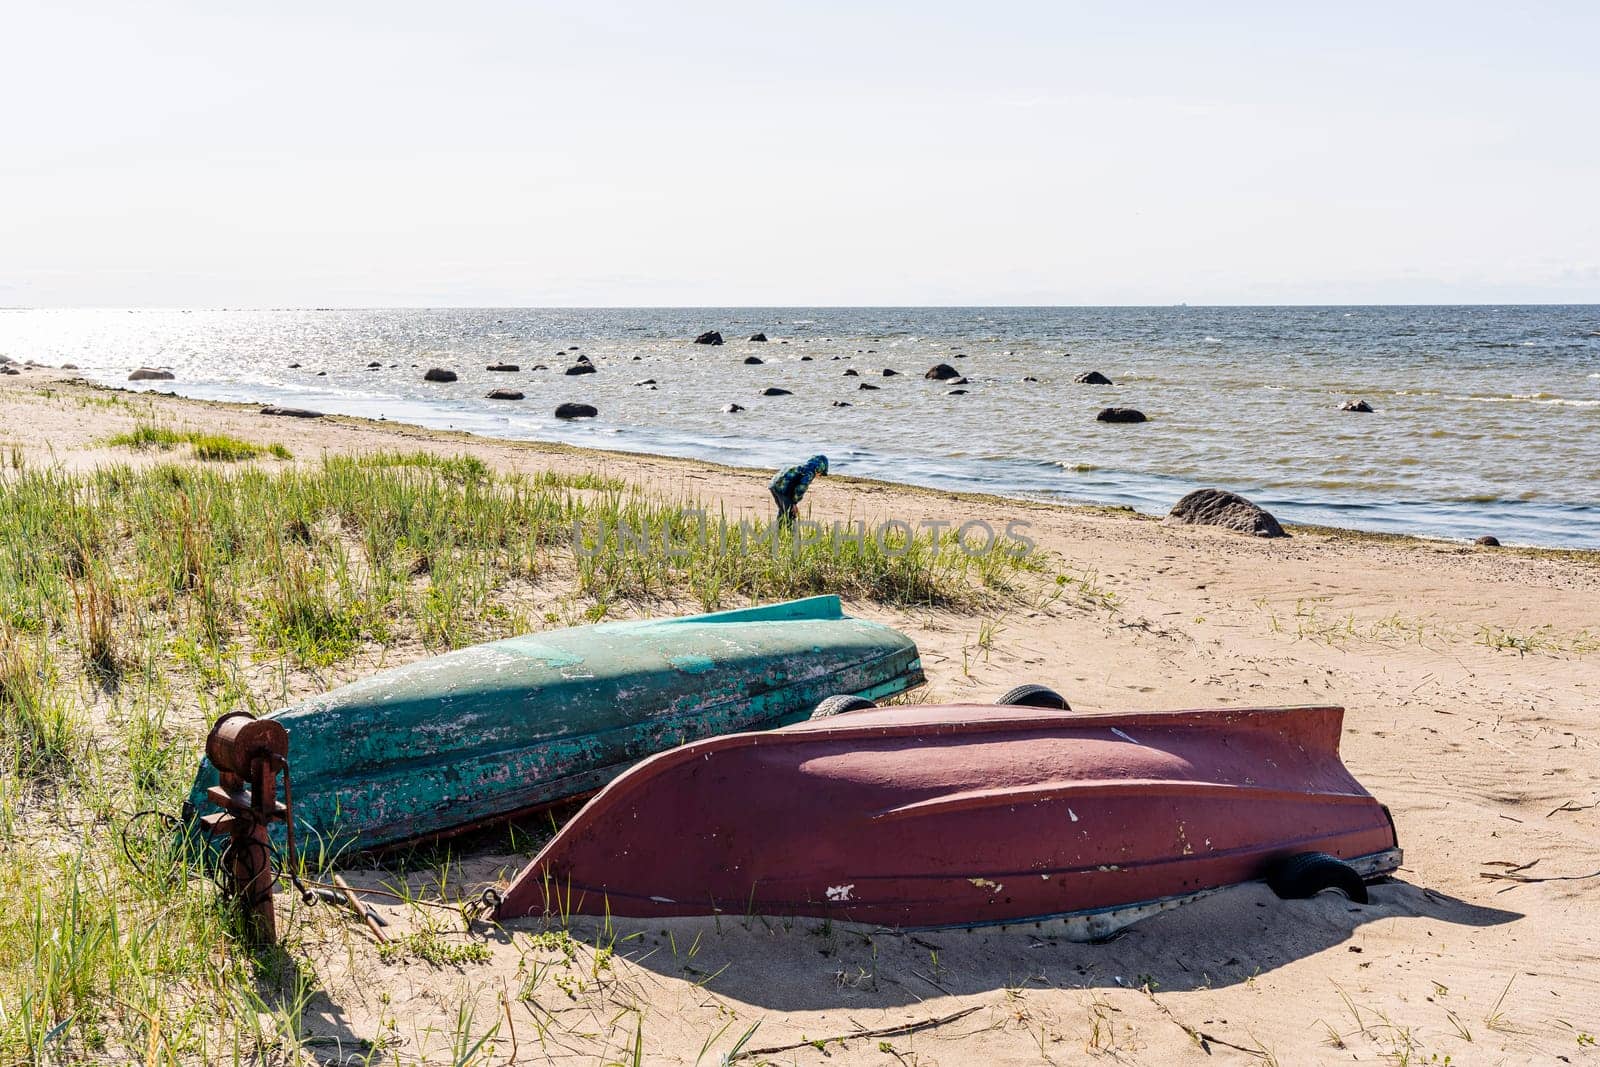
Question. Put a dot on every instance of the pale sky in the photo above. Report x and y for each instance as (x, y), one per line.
(678, 153)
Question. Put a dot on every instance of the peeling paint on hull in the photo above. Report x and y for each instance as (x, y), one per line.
(485, 732)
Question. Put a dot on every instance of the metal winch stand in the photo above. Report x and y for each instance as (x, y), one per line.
(249, 754)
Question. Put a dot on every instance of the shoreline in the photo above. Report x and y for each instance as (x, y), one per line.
(598, 452)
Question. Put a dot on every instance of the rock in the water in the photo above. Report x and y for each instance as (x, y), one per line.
(851, 372)
(645, 381)
(1029, 378)
(758, 337)
(868, 385)
(1355, 405)
(773, 390)
(291, 413)
(582, 359)
(151, 374)
(961, 381)
(805, 359)
(69, 366)
(8, 369)
(576, 411)
(374, 365)
(1218, 507)
(294, 366)
(710, 337)
(1093, 377)
(841, 403)
(503, 367)
(1120, 415)
(731, 408)
(957, 392)
(751, 361)
(889, 372)
(1488, 541)
(941, 372)
(580, 368)
(540, 366)
(439, 374)
(504, 394)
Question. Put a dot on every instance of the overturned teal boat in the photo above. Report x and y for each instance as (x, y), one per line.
(489, 732)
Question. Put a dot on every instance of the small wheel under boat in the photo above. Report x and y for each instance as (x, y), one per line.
(839, 704)
(1309, 873)
(1035, 696)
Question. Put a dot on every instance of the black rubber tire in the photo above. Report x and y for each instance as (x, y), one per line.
(1309, 873)
(1035, 696)
(838, 705)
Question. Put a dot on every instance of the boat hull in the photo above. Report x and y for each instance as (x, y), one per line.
(963, 816)
(487, 732)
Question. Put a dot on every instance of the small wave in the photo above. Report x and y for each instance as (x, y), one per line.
(1076, 468)
(1212, 340)
(1530, 398)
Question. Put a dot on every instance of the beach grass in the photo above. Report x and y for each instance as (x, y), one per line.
(138, 603)
(207, 446)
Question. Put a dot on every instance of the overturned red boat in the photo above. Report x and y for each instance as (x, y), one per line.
(971, 815)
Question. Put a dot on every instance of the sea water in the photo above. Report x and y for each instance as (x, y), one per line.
(1486, 421)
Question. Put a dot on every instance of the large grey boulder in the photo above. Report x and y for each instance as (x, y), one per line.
(1120, 415)
(151, 374)
(438, 374)
(710, 337)
(1218, 507)
(1092, 377)
(941, 372)
(576, 411)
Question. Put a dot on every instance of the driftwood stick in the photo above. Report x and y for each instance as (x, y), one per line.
(884, 1031)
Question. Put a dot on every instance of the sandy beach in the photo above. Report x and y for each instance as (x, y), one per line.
(1469, 678)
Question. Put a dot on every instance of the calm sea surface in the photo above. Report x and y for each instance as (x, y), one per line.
(1487, 418)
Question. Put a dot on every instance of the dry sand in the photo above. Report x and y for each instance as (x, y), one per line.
(1486, 755)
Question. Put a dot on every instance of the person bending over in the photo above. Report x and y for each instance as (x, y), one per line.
(791, 483)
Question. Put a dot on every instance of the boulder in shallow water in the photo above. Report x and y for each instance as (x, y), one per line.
(504, 394)
(758, 337)
(890, 372)
(773, 390)
(851, 372)
(1218, 507)
(439, 374)
(752, 361)
(1093, 377)
(294, 366)
(1356, 405)
(576, 411)
(1120, 415)
(291, 413)
(710, 337)
(732, 408)
(508, 367)
(1488, 541)
(374, 365)
(842, 404)
(580, 368)
(151, 374)
(805, 359)
(645, 381)
(868, 385)
(957, 392)
(941, 372)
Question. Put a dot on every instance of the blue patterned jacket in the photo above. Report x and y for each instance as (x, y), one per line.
(793, 481)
